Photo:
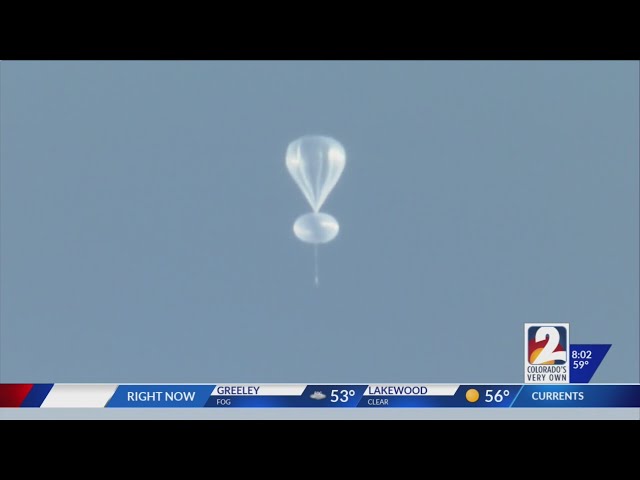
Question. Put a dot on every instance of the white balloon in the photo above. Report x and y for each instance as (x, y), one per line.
(315, 162)
(316, 228)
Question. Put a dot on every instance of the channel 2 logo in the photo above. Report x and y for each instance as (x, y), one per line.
(546, 352)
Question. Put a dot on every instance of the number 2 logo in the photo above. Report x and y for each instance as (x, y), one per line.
(548, 354)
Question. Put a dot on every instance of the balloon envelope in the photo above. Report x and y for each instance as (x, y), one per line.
(316, 228)
(315, 162)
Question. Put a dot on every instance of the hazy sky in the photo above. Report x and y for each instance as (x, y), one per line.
(146, 220)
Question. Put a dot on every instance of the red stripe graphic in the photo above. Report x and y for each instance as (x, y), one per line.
(13, 394)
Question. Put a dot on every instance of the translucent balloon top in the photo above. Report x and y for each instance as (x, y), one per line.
(315, 162)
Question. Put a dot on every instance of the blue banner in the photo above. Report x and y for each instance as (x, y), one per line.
(477, 396)
(462, 396)
(585, 360)
(578, 396)
(571, 395)
(325, 396)
(160, 396)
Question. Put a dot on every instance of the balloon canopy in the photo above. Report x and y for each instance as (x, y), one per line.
(315, 162)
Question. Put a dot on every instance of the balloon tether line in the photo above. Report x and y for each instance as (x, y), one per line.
(315, 255)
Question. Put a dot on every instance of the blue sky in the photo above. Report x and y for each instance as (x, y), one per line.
(146, 219)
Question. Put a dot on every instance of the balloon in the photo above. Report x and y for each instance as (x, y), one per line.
(316, 228)
(315, 162)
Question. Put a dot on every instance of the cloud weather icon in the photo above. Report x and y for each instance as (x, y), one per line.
(318, 395)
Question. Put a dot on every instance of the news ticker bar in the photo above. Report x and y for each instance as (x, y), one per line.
(318, 396)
